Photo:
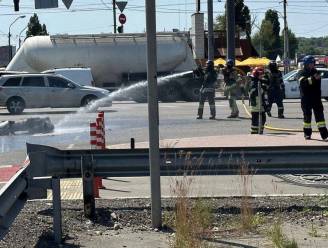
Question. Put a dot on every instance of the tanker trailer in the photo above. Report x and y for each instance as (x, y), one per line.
(116, 61)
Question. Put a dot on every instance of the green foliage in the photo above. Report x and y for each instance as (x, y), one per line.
(279, 240)
(269, 40)
(242, 19)
(35, 28)
(264, 39)
(293, 43)
(318, 45)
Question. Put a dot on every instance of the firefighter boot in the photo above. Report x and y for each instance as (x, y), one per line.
(281, 113)
(323, 133)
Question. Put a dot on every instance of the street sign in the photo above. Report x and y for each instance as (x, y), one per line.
(67, 3)
(45, 4)
(122, 18)
(121, 5)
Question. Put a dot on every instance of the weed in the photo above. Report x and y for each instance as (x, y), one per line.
(246, 209)
(313, 231)
(278, 239)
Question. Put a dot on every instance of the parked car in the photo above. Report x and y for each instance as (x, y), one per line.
(21, 91)
(82, 76)
(292, 84)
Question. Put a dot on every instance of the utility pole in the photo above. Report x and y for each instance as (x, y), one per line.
(114, 15)
(230, 15)
(153, 116)
(197, 6)
(286, 51)
(210, 35)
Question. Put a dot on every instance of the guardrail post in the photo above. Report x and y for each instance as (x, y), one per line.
(56, 203)
(87, 179)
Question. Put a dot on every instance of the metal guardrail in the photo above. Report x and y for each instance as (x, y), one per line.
(48, 164)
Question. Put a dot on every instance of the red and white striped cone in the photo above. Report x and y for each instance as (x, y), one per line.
(100, 142)
(99, 132)
(101, 115)
(93, 135)
(93, 145)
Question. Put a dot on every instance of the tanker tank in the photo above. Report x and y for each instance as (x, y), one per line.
(115, 60)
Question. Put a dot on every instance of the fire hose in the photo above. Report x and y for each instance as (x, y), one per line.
(271, 127)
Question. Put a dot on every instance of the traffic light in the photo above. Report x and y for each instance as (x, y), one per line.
(16, 5)
(120, 29)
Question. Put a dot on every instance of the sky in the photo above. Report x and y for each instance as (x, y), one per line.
(307, 18)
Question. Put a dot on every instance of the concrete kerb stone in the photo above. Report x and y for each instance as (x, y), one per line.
(269, 139)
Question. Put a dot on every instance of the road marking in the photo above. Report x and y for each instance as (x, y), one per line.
(70, 189)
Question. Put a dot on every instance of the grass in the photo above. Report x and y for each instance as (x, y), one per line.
(192, 219)
(247, 220)
(279, 240)
(313, 231)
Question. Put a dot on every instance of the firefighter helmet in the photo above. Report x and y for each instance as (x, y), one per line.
(308, 60)
(257, 72)
(229, 63)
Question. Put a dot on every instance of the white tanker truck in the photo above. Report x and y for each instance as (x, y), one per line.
(116, 61)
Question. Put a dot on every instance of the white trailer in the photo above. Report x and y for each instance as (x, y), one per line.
(115, 60)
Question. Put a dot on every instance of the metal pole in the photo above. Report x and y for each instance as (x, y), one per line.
(285, 38)
(154, 159)
(57, 209)
(210, 36)
(9, 47)
(259, 92)
(197, 6)
(230, 13)
(114, 15)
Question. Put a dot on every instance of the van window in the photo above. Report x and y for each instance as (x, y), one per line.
(33, 82)
(58, 82)
(11, 82)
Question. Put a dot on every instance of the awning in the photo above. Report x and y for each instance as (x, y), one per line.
(255, 62)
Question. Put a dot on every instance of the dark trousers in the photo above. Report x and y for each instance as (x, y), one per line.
(275, 96)
(210, 96)
(255, 122)
(307, 107)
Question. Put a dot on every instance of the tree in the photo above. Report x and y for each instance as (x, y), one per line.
(271, 27)
(293, 43)
(263, 40)
(35, 28)
(242, 19)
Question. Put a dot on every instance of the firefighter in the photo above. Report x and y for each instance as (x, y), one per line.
(254, 100)
(230, 78)
(276, 89)
(207, 91)
(310, 89)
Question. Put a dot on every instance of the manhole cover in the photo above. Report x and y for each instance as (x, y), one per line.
(310, 180)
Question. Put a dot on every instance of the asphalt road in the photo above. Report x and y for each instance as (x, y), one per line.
(125, 120)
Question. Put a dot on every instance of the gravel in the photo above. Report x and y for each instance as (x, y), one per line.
(33, 226)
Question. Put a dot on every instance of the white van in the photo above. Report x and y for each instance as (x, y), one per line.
(82, 76)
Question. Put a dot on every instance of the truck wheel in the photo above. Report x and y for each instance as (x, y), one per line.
(170, 93)
(15, 105)
(191, 93)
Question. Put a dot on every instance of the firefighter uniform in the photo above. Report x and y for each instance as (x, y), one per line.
(207, 91)
(254, 101)
(276, 89)
(230, 77)
(310, 89)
